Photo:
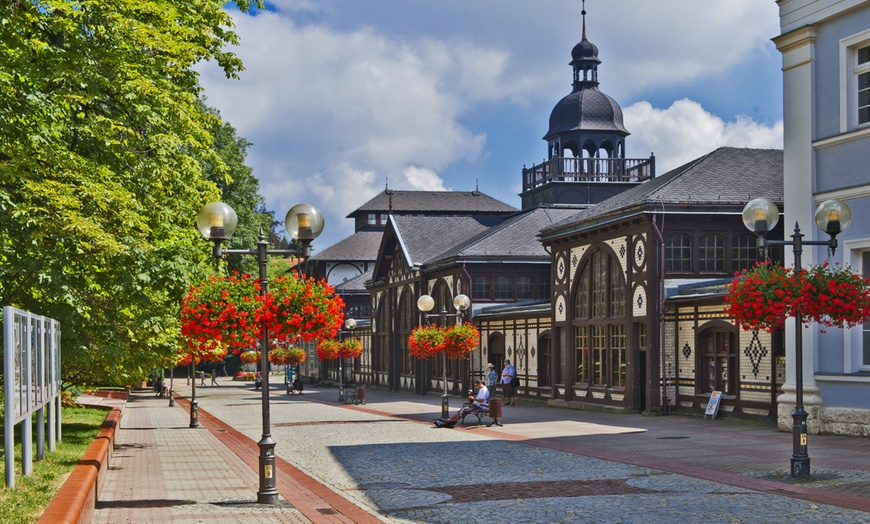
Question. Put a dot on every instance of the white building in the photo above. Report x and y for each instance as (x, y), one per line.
(825, 45)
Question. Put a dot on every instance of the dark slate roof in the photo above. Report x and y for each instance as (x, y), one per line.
(528, 307)
(728, 176)
(355, 284)
(516, 237)
(440, 202)
(586, 110)
(362, 245)
(424, 238)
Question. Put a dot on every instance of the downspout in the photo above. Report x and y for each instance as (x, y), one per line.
(664, 379)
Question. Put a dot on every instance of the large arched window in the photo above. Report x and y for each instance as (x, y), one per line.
(382, 335)
(599, 323)
(407, 318)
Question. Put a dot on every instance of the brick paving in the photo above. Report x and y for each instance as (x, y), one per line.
(385, 462)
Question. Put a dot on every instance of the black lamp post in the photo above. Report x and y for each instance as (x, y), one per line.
(217, 222)
(171, 386)
(194, 419)
(760, 216)
(425, 304)
(350, 325)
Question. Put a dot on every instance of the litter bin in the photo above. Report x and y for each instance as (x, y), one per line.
(495, 411)
(495, 407)
(361, 394)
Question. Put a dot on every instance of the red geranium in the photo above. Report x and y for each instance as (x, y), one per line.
(764, 296)
(250, 357)
(426, 341)
(328, 349)
(351, 348)
(302, 307)
(222, 311)
(461, 341)
(287, 356)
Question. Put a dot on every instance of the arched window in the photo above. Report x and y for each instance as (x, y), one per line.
(382, 335)
(407, 317)
(711, 254)
(599, 323)
(678, 253)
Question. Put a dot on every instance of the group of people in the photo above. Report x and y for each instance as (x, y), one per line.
(479, 401)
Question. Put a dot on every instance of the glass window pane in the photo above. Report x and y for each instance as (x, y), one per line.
(712, 253)
(617, 290)
(525, 287)
(599, 284)
(581, 303)
(599, 341)
(481, 287)
(504, 287)
(617, 356)
(864, 115)
(864, 55)
(678, 253)
(581, 344)
(744, 252)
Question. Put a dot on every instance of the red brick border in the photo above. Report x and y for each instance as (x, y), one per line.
(76, 500)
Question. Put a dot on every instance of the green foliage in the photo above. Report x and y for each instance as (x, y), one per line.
(32, 494)
(102, 150)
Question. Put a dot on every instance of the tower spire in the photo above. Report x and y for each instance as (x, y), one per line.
(583, 12)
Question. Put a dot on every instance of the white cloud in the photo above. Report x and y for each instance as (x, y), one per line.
(685, 131)
(340, 96)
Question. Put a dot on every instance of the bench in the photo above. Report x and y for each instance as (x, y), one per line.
(355, 395)
(493, 411)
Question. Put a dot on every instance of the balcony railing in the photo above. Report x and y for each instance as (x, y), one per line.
(574, 169)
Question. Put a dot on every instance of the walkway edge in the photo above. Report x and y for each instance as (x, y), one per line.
(76, 499)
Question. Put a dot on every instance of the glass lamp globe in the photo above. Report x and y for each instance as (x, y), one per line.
(217, 221)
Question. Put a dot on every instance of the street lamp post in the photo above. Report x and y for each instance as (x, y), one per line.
(217, 222)
(425, 304)
(349, 325)
(760, 216)
(194, 419)
(171, 386)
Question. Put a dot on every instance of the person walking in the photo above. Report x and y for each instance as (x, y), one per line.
(202, 378)
(508, 374)
(214, 375)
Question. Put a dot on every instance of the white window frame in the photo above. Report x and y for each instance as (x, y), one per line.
(853, 346)
(849, 72)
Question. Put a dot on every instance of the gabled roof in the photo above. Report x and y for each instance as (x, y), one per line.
(726, 177)
(515, 237)
(362, 245)
(425, 238)
(355, 285)
(437, 202)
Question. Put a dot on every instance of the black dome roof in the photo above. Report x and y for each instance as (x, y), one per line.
(585, 50)
(586, 110)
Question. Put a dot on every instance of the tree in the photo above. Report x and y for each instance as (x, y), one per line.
(101, 148)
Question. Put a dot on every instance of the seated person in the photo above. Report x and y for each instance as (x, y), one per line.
(258, 382)
(479, 402)
(297, 384)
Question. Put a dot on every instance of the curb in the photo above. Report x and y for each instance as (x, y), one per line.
(76, 500)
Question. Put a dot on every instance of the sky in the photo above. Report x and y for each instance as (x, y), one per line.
(343, 98)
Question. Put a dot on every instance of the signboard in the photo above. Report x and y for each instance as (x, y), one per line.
(31, 375)
(713, 405)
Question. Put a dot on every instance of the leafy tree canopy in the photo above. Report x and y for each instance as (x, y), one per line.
(106, 156)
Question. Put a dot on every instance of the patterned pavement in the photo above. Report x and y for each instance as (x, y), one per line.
(384, 461)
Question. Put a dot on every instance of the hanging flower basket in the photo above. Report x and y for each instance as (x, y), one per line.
(287, 356)
(761, 298)
(426, 341)
(302, 307)
(213, 355)
(764, 296)
(351, 348)
(835, 296)
(461, 341)
(328, 349)
(250, 357)
(222, 311)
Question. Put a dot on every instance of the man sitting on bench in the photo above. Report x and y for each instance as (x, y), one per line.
(480, 402)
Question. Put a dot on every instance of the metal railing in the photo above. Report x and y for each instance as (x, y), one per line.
(575, 169)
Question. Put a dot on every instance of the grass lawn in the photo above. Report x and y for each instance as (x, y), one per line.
(25, 503)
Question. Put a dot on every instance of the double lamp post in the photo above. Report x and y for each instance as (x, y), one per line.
(217, 222)
(760, 216)
(425, 304)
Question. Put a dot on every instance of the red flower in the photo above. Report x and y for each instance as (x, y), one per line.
(426, 341)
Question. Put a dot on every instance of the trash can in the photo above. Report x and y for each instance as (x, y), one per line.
(495, 407)
(361, 394)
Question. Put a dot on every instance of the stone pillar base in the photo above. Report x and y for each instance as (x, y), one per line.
(785, 404)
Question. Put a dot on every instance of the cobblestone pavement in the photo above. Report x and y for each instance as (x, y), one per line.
(548, 464)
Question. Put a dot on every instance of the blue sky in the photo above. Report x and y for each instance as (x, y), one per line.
(341, 97)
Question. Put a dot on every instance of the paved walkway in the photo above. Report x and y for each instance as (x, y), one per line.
(385, 462)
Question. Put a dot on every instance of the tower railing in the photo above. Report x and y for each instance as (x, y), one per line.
(575, 169)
